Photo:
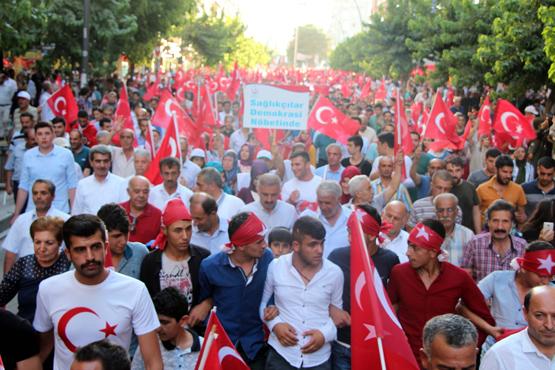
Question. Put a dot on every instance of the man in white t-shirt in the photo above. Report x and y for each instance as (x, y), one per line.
(92, 302)
(300, 191)
(209, 181)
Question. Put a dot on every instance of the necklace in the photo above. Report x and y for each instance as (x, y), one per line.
(304, 276)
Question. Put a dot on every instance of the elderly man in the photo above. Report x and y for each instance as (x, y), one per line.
(209, 181)
(80, 151)
(332, 215)
(18, 242)
(494, 250)
(141, 161)
(101, 187)
(449, 342)
(534, 347)
(333, 169)
(300, 190)
(144, 218)
(23, 105)
(385, 171)
(269, 208)
(170, 188)
(456, 235)
(395, 212)
(209, 231)
(123, 160)
(422, 209)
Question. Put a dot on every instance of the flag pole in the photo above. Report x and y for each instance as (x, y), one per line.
(382, 355)
(206, 351)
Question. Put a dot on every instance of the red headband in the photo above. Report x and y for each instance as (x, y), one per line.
(424, 237)
(249, 232)
(541, 262)
(175, 210)
(370, 225)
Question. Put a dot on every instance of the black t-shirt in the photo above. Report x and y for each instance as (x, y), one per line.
(466, 193)
(364, 166)
(18, 339)
(383, 259)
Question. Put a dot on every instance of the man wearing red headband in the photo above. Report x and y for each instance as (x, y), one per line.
(424, 287)
(383, 259)
(176, 262)
(233, 281)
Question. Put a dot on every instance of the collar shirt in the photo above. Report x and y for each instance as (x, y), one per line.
(399, 245)
(130, 263)
(144, 227)
(479, 256)
(402, 194)
(92, 194)
(326, 174)
(56, 166)
(424, 208)
(18, 240)
(303, 306)
(228, 206)
(121, 165)
(516, 352)
(211, 242)
(513, 194)
(453, 244)
(337, 235)
(189, 173)
(158, 196)
(15, 160)
(283, 214)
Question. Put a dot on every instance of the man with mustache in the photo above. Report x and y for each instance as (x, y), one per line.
(494, 250)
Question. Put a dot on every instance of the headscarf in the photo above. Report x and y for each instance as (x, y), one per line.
(259, 167)
(249, 232)
(230, 176)
(424, 237)
(542, 262)
(349, 172)
(216, 165)
(247, 162)
(175, 210)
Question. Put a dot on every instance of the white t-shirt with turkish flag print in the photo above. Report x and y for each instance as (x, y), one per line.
(81, 314)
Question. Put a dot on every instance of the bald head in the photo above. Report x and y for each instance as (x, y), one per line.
(396, 214)
(138, 190)
(539, 309)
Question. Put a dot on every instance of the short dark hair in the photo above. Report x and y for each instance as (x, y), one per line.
(302, 154)
(82, 114)
(44, 124)
(210, 175)
(539, 245)
(493, 153)
(51, 186)
(172, 303)
(546, 162)
(307, 225)
(208, 204)
(356, 140)
(280, 234)
(111, 356)
(169, 162)
(457, 331)
(83, 225)
(114, 217)
(103, 121)
(504, 161)
(500, 205)
(236, 222)
(455, 160)
(387, 138)
(58, 119)
(371, 211)
(435, 225)
(28, 115)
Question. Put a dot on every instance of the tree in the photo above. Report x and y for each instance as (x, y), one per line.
(350, 55)
(311, 41)
(248, 53)
(547, 16)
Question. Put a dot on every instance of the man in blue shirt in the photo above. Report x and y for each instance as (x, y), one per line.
(233, 281)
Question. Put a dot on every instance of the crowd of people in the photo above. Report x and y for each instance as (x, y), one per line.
(113, 271)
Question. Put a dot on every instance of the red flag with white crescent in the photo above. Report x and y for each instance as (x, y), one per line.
(62, 103)
(123, 113)
(377, 338)
(441, 124)
(484, 118)
(168, 148)
(510, 122)
(329, 120)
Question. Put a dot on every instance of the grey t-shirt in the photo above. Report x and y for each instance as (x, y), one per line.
(478, 177)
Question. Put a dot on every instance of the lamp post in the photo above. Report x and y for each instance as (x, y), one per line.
(85, 53)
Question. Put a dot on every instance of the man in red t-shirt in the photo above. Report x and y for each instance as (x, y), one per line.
(424, 287)
(86, 128)
(144, 218)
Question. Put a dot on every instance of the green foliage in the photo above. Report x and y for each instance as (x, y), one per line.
(22, 23)
(311, 41)
(547, 16)
(248, 53)
(350, 54)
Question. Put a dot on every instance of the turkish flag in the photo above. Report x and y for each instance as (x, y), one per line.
(509, 121)
(373, 320)
(217, 351)
(203, 112)
(402, 136)
(123, 112)
(153, 90)
(235, 83)
(381, 92)
(2, 364)
(330, 121)
(62, 103)
(149, 141)
(484, 118)
(441, 123)
(168, 148)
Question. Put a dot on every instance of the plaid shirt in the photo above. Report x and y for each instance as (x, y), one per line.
(454, 243)
(479, 256)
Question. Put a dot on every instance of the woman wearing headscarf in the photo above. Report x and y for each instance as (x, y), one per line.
(348, 174)
(246, 156)
(231, 168)
(249, 195)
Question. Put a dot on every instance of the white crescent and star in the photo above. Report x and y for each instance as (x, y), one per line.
(546, 264)
(504, 117)
(485, 117)
(423, 234)
(359, 284)
(228, 351)
(437, 121)
(62, 110)
(70, 314)
(173, 147)
(319, 112)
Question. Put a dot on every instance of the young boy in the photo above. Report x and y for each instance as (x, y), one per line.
(179, 345)
(279, 240)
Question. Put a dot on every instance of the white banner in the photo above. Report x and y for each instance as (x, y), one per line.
(274, 107)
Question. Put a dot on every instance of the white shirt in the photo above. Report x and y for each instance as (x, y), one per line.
(92, 194)
(213, 242)
(516, 352)
(229, 206)
(337, 235)
(189, 173)
(19, 240)
(158, 196)
(121, 165)
(288, 171)
(283, 214)
(307, 189)
(303, 306)
(399, 245)
(6, 93)
(112, 309)
(236, 140)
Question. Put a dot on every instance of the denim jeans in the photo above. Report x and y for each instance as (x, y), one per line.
(340, 357)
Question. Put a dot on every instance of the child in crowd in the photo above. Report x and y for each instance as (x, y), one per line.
(280, 240)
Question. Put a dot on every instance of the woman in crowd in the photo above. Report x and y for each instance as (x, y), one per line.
(534, 229)
(249, 195)
(231, 168)
(347, 174)
(246, 156)
(25, 276)
(523, 170)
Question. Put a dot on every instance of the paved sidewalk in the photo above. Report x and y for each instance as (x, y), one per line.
(7, 207)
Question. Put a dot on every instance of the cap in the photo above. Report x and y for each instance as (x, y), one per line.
(24, 95)
(197, 152)
(531, 109)
(264, 154)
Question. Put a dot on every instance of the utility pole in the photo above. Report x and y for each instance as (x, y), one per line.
(296, 45)
(85, 60)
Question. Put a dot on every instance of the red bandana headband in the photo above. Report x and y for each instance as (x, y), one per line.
(370, 226)
(252, 230)
(175, 210)
(424, 237)
(541, 262)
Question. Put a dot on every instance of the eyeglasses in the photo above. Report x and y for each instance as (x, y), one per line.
(448, 210)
